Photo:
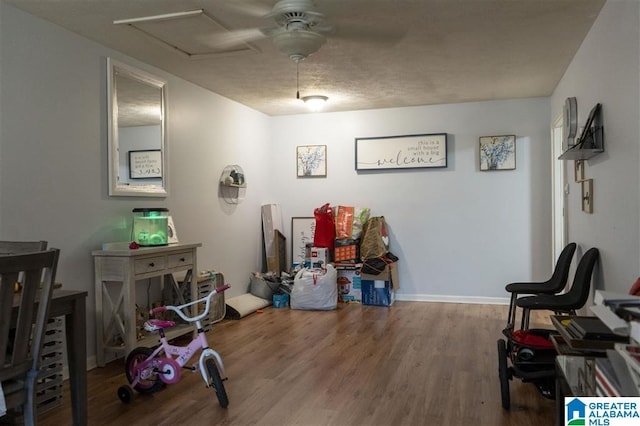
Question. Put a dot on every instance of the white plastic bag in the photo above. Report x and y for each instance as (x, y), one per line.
(315, 289)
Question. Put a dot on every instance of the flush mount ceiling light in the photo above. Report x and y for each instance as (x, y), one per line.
(315, 102)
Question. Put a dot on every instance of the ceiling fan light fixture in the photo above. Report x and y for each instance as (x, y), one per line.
(298, 44)
(315, 102)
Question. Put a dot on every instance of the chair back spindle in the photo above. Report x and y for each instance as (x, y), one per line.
(22, 329)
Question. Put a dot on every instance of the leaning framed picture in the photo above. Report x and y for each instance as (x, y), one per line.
(497, 152)
(401, 152)
(302, 233)
(311, 160)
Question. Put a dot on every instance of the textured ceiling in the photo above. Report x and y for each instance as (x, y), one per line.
(413, 52)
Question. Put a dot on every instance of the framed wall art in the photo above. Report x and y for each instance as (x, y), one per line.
(578, 170)
(497, 152)
(311, 160)
(302, 232)
(587, 195)
(145, 164)
(401, 152)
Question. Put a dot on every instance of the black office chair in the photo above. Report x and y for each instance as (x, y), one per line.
(570, 301)
(553, 285)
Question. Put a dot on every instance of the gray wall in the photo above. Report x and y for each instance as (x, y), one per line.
(53, 158)
(606, 70)
(461, 233)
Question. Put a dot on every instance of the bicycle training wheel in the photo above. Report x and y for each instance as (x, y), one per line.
(149, 381)
(216, 381)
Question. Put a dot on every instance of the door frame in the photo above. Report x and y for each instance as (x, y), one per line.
(559, 190)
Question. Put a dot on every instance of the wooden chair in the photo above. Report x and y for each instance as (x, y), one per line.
(19, 247)
(22, 329)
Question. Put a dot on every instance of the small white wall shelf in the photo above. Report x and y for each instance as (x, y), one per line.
(233, 184)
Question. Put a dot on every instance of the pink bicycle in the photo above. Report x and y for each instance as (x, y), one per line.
(147, 369)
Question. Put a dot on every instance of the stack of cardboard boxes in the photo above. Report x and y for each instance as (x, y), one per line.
(353, 285)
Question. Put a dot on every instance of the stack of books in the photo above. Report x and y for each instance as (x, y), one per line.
(592, 328)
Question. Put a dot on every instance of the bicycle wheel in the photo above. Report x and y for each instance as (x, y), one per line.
(149, 381)
(216, 381)
(125, 393)
(503, 372)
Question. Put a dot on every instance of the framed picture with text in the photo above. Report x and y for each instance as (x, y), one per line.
(145, 164)
(302, 233)
(401, 152)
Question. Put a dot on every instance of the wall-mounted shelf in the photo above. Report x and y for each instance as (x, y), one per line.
(591, 141)
(232, 184)
(577, 153)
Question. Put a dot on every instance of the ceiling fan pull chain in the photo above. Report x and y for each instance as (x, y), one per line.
(297, 80)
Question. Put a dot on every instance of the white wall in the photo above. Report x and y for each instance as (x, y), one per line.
(606, 69)
(461, 234)
(53, 158)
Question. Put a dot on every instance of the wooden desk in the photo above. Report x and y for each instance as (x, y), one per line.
(116, 322)
(71, 305)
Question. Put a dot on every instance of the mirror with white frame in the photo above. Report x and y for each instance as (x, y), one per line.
(137, 132)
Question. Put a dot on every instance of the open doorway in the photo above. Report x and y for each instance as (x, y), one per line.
(560, 189)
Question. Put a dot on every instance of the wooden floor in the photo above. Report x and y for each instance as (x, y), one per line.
(415, 363)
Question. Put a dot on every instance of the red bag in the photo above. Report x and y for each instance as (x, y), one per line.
(325, 233)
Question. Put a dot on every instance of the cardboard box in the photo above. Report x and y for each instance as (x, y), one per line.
(346, 253)
(346, 250)
(280, 301)
(319, 257)
(379, 290)
(349, 285)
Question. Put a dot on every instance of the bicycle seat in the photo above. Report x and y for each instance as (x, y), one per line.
(156, 324)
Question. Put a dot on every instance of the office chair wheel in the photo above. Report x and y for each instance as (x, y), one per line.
(504, 374)
(125, 393)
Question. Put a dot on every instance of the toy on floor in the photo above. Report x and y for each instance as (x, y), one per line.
(147, 368)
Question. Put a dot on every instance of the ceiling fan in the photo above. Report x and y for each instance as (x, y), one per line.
(299, 28)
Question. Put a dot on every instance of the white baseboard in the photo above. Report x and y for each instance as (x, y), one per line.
(452, 299)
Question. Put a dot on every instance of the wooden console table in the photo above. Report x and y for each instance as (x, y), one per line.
(116, 322)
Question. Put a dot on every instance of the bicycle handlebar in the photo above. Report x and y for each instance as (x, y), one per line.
(178, 309)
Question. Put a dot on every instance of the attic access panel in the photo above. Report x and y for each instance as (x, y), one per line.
(187, 33)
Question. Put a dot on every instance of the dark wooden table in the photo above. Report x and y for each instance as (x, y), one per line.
(71, 304)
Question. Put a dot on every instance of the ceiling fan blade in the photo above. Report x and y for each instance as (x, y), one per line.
(234, 38)
(369, 34)
(247, 7)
